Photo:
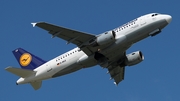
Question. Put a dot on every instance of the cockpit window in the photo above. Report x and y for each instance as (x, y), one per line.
(154, 14)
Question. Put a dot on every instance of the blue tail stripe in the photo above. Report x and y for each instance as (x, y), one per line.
(27, 60)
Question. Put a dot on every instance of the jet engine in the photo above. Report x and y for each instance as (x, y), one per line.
(103, 39)
(134, 58)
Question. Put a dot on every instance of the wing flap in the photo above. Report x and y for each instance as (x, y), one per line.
(80, 39)
(69, 35)
(117, 73)
(20, 72)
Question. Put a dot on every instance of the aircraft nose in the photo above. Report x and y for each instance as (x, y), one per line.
(168, 18)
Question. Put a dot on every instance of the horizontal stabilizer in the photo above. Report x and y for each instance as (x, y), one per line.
(20, 72)
(36, 85)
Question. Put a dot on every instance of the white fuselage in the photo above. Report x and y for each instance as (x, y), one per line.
(126, 35)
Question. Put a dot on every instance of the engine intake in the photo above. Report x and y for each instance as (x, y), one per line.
(134, 58)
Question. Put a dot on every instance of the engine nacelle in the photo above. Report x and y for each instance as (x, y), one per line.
(106, 38)
(134, 58)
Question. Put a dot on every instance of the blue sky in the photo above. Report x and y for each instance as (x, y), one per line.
(155, 79)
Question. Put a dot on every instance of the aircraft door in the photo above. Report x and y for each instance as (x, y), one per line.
(48, 68)
(143, 21)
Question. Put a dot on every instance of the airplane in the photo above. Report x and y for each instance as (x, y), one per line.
(107, 50)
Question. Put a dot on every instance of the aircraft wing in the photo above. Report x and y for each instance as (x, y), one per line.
(71, 36)
(117, 73)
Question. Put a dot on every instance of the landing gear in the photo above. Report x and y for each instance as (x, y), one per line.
(155, 32)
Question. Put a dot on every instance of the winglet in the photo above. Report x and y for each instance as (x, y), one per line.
(115, 83)
(34, 24)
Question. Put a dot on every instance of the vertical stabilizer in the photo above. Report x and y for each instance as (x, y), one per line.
(27, 60)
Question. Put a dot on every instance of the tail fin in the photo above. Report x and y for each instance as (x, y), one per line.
(27, 60)
(25, 73)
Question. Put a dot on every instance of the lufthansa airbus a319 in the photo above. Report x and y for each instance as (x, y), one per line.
(107, 50)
